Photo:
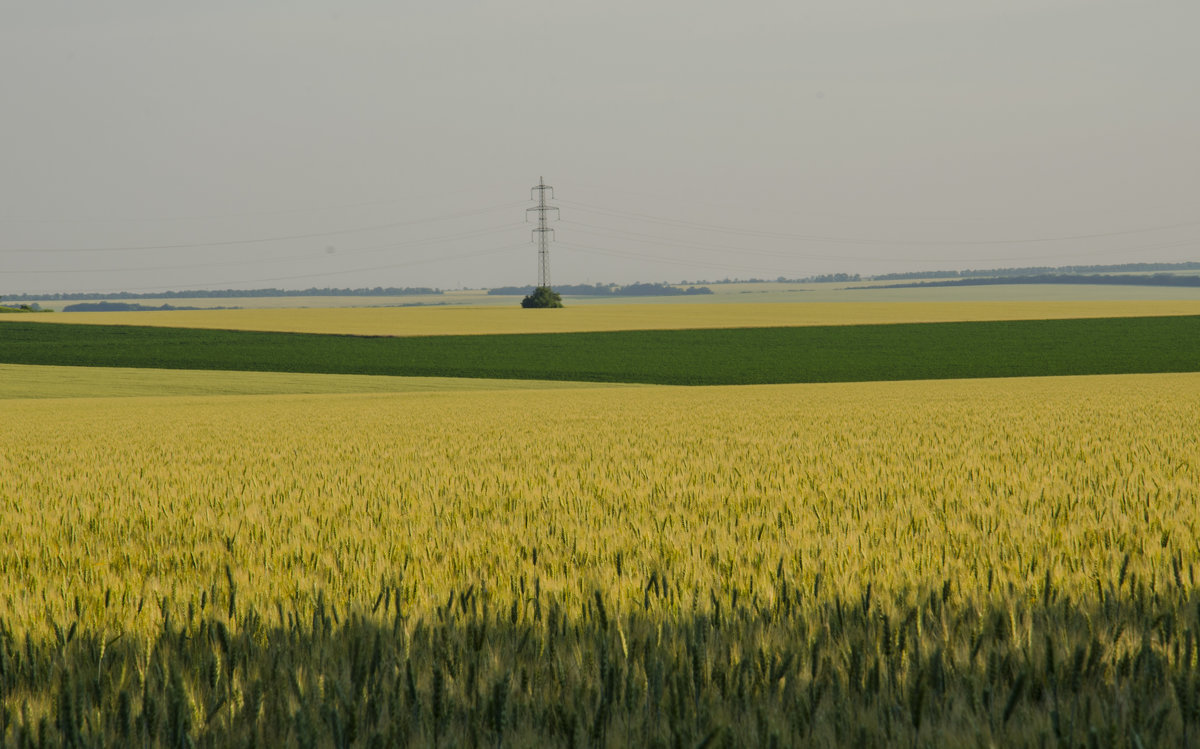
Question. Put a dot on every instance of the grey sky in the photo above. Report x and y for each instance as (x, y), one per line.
(933, 133)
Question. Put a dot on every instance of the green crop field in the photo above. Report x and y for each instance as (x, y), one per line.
(685, 357)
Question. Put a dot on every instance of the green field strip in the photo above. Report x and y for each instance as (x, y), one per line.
(1019, 348)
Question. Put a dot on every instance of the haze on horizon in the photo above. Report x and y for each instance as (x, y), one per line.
(148, 146)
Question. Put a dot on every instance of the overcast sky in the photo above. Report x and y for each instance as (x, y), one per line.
(149, 144)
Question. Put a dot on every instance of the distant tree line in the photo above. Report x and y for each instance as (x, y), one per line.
(227, 293)
(1039, 271)
(127, 307)
(570, 289)
(824, 278)
(1012, 275)
(970, 273)
(832, 278)
(607, 290)
(1157, 279)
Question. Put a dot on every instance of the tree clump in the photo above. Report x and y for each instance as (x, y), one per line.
(543, 297)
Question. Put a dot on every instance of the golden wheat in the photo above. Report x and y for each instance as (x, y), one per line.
(744, 565)
(900, 484)
(452, 320)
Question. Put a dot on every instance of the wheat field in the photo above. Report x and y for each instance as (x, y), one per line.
(19, 381)
(452, 320)
(930, 563)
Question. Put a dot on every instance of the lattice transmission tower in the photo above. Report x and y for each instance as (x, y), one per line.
(542, 233)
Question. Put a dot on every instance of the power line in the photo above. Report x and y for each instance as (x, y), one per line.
(688, 263)
(866, 240)
(369, 249)
(231, 214)
(389, 266)
(641, 196)
(672, 242)
(259, 240)
(697, 262)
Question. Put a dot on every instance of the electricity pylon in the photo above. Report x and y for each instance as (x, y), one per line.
(542, 234)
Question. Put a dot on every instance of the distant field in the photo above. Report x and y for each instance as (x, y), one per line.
(416, 321)
(915, 351)
(730, 293)
(18, 381)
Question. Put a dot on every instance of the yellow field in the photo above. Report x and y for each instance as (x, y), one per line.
(21, 381)
(723, 293)
(404, 321)
(948, 563)
(903, 485)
